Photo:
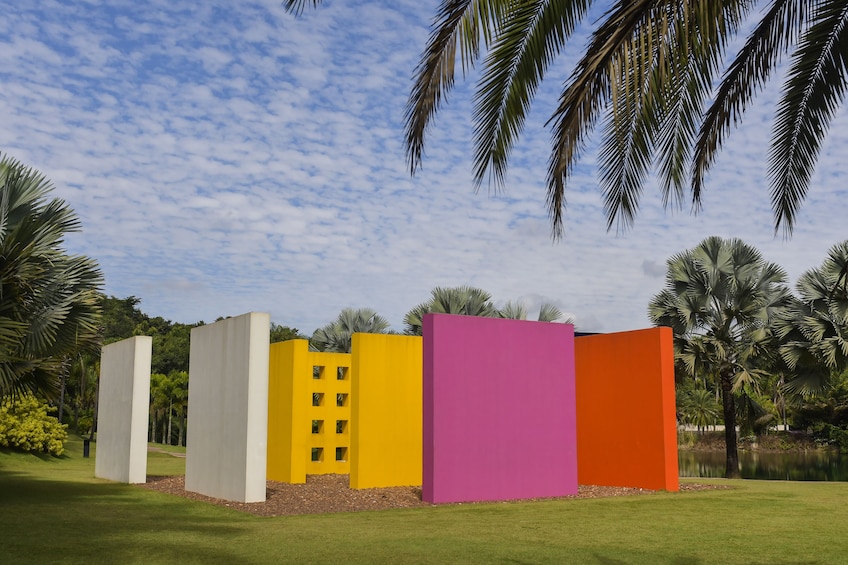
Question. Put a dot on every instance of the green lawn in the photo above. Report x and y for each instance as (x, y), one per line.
(54, 510)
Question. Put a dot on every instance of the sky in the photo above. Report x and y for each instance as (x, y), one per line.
(228, 157)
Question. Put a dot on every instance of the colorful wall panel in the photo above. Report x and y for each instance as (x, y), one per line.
(386, 411)
(626, 416)
(499, 417)
(123, 400)
(308, 412)
(228, 409)
(288, 421)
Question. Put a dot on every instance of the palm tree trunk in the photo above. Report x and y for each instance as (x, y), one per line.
(94, 414)
(729, 406)
(62, 397)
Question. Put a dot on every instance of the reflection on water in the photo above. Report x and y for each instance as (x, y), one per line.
(810, 466)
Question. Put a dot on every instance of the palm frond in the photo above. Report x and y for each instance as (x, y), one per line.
(459, 23)
(296, 7)
(531, 36)
(813, 92)
(513, 311)
(586, 93)
(774, 34)
(550, 313)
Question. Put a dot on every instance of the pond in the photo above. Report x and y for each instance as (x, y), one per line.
(802, 466)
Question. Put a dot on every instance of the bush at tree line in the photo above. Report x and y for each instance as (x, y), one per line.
(25, 425)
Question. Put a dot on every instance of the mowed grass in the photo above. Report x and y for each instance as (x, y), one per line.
(53, 510)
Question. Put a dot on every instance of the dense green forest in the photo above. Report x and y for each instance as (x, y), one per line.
(123, 318)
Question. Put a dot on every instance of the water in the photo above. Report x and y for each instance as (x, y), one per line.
(809, 466)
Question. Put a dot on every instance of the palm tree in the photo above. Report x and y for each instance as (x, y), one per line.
(547, 312)
(814, 328)
(698, 407)
(650, 68)
(461, 300)
(721, 299)
(49, 302)
(336, 336)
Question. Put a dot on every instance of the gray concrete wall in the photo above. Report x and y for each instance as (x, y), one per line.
(226, 442)
(123, 401)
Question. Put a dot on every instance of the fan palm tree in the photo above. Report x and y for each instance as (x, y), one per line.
(49, 302)
(721, 299)
(814, 329)
(518, 311)
(650, 69)
(462, 300)
(336, 336)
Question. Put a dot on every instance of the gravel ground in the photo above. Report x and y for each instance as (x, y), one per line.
(330, 493)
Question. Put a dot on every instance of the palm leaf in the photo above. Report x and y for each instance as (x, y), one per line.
(531, 36)
(813, 92)
(750, 69)
(459, 23)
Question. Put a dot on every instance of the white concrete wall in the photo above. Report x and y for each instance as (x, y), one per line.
(226, 441)
(122, 406)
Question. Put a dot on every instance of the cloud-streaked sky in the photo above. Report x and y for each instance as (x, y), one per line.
(226, 157)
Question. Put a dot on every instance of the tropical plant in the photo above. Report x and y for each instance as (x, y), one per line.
(518, 311)
(81, 392)
(698, 407)
(49, 302)
(461, 300)
(650, 69)
(26, 425)
(814, 328)
(720, 300)
(336, 336)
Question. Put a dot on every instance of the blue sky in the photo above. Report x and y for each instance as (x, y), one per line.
(232, 159)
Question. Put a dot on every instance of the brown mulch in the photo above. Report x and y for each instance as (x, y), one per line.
(323, 494)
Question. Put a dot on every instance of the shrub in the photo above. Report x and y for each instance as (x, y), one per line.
(26, 425)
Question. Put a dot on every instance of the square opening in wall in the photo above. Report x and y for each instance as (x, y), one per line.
(317, 426)
(317, 454)
(317, 372)
(341, 454)
(341, 399)
(341, 373)
(341, 426)
(317, 399)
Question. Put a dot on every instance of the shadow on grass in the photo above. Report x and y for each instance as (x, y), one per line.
(36, 454)
(50, 520)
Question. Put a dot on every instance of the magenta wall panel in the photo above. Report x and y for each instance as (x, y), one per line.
(499, 409)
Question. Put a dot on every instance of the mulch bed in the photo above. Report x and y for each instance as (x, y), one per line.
(323, 494)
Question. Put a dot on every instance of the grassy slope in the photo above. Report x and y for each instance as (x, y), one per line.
(53, 510)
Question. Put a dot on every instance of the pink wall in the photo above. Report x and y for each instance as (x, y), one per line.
(499, 409)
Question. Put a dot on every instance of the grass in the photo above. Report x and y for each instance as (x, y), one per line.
(54, 510)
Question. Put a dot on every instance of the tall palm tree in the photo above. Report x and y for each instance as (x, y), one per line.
(462, 300)
(49, 303)
(814, 328)
(336, 336)
(721, 299)
(650, 69)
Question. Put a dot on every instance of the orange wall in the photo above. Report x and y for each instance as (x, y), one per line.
(626, 416)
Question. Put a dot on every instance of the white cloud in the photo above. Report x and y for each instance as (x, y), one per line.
(226, 160)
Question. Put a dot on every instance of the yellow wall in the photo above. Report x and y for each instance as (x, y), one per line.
(387, 411)
(291, 412)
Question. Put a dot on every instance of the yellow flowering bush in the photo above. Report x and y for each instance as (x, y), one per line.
(26, 425)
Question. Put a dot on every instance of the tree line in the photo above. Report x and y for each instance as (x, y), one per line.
(748, 350)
